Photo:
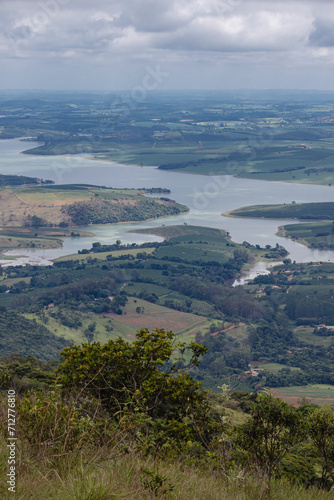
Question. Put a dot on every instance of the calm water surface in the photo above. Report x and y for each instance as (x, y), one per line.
(207, 198)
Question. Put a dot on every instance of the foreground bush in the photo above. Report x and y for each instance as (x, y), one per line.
(128, 413)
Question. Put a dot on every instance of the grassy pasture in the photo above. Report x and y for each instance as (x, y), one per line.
(155, 316)
(11, 281)
(187, 233)
(305, 334)
(316, 235)
(99, 478)
(109, 326)
(320, 394)
(102, 323)
(15, 237)
(193, 243)
(103, 255)
(191, 253)
(275, 367)
(134, 288)
(319, 211)
(163, 293)
(8, 243)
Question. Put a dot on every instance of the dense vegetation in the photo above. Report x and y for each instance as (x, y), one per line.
(104, 211)
(19, 334)
(271, 324)
(135, 405)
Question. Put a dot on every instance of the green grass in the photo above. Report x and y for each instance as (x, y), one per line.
(164, 293)
(109, 476)
(315, 235)
(155, 316)
(11, 281)
(103, 255)
(212, 159)
(191, 253)
(77, 335)
(317, 393)
(275, 367)
(109, 326)
(304, 334)
(16, 238)
(318, 211)
(17, 243)
(192, 243)
(133, 288)
(186, 233)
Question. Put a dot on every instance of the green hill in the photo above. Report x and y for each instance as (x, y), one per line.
(319, 211)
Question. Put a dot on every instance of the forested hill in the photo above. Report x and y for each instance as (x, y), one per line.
(19, 180)
(78, 204)
(26, 336)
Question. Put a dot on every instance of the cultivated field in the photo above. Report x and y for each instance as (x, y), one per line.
(318, 211)
(103, 255)
(154, 316)
(315, 235)
(319, 394)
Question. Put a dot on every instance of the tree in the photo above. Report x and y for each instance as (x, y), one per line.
(241, 255)
(273, 429)
(142, 376)
(37, 221)
(321, 429)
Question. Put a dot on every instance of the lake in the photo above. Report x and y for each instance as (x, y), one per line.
(206, 196)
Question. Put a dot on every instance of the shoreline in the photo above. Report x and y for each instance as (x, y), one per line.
(281, 233)
(234, 216)
(90, 156)
(253, 261)
(2, 253)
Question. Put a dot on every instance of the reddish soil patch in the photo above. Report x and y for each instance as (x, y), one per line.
(50, 233)
(293, 400)
(228, 328)
(20, 230)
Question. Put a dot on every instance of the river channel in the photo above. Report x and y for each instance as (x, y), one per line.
(206, 196)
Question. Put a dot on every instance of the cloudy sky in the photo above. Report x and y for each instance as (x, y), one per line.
(166, 44)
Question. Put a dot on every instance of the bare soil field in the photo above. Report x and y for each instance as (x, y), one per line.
(15, 207)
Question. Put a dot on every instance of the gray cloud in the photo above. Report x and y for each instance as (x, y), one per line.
(115, 40)
(323, 33)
